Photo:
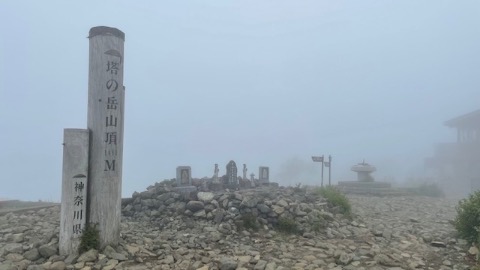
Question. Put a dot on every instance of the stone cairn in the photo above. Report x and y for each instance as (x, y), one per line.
(228, 208)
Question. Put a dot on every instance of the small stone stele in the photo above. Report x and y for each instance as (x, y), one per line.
(232, 176)
(184, 176)
(264, 174)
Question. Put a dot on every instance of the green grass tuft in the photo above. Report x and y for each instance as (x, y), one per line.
(287, 225)
(250, 222)
(336, 198)
(90, 239)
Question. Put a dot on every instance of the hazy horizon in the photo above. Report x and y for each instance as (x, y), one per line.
(267, 83)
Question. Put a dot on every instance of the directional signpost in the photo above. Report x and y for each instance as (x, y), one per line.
(319, 159)
(328, 164)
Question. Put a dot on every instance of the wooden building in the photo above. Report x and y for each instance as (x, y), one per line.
(456, 165)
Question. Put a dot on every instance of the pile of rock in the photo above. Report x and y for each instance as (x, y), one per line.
(162, 229)
(265, 207)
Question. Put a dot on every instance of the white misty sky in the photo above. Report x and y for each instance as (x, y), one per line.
(266, 83)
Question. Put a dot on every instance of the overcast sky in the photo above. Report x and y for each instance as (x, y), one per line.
(266, 83)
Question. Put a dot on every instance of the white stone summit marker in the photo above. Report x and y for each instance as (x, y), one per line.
(105, 122)
(74, 189)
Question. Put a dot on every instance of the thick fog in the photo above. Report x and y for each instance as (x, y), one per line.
(263, 83)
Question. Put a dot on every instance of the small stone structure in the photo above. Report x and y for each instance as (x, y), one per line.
(232, 176)
(215, 174)
(184, 176)
(264, 174)
(364, 171)
(365, 183)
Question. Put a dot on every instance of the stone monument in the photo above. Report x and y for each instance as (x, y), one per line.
(232, 180)
(105, 121)
(365, 183)
(215, 174)
(184, 176)
(364, 171)
(263, 174)
(245, 172)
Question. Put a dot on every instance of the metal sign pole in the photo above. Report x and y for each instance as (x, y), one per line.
(322, 171)
(329, 170)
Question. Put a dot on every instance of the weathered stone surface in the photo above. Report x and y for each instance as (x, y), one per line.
(47, 250)
(32, 254)
(195, 206)
(58, 266)
(227, 264)
(88, 256)
(112, 254)
(13, 248)
(263, 208)
(379, 236)
(249, 201)
(205, 196)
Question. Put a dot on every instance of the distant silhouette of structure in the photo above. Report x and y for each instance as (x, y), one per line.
(456, 166)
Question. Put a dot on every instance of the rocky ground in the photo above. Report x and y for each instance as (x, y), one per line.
(170, 232)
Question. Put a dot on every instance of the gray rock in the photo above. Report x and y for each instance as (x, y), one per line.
(35, 267)
(261, 264)
(111, 253)
(163, 197)
(195, 206)
(47, 250)
(263, 208)
(278, 209)
(271, 266)
(249, 201)
(88, 256)
(18, 237)
(383, 259)
(438, 244)
(200, 214)
(13, 248)
(32, 254)
(345, 258)
(58, 266)
(71, 259)
(205, 196)
(234, 211)
(14, 257)
(9, 266)
(227, 264)
(282, 203)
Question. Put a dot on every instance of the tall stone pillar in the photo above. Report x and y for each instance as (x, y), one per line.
(105, 122)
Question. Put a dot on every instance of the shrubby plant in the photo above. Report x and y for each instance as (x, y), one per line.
(287, 225)
(467, 221)
(336, 198)
(90, 239)
(250, 222)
